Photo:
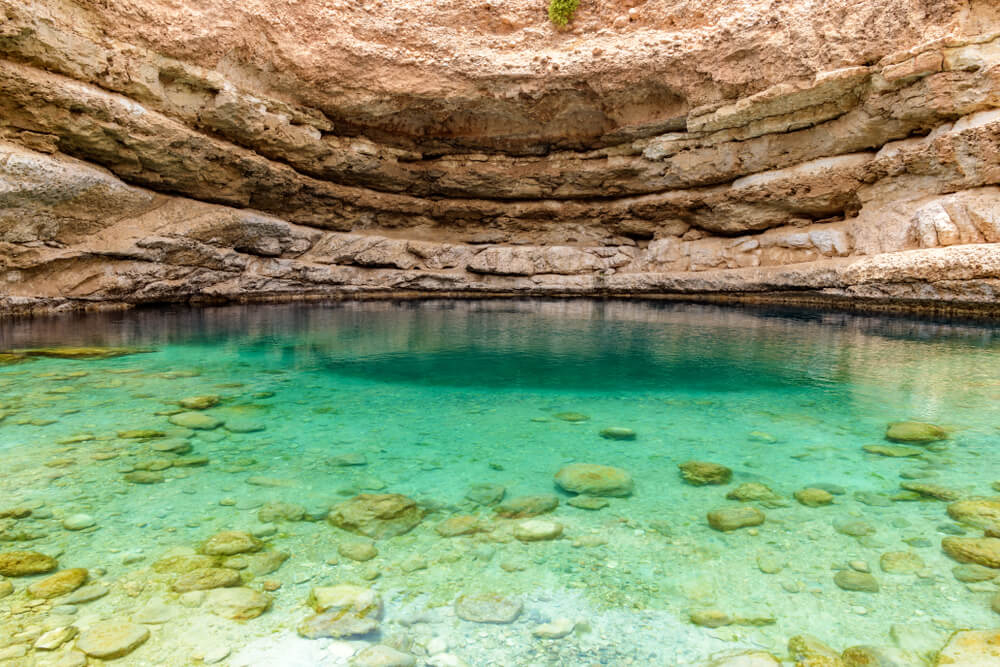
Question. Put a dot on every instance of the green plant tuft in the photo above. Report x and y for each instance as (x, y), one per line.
(561, 11)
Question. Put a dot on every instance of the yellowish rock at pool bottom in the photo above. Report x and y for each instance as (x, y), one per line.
(25, 563)
(812, 497)
(58, 584)
(594, 480)
(537, 530)
(734, 518)
(980, 550)
(377, 515)
(231, 542)
(701, 473)
(982, 513)
(911, 431)
(111, 639)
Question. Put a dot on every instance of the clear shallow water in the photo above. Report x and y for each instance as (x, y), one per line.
(442, 395)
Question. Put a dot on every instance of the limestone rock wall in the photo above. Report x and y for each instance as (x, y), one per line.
(275, 149)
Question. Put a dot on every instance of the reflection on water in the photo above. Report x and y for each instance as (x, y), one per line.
(302, 407)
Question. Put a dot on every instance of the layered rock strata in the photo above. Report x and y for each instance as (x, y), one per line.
(305, 149)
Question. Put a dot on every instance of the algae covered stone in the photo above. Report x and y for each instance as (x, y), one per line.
(25, 563)
(914, 432)
(199, 402)
(733, 518)
(617, 433)
(594, 480)
(377, 515)
(342, 611)
(701, 473)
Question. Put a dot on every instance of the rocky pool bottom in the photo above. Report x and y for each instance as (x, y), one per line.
(514, 483)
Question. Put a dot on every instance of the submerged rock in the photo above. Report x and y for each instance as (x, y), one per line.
(594, 480)
(813, 497)
(980, 648)
(382, 656)
(81, 353)
(358, 551)
(982, 513)
(25, 563)
(280, 511)
(239, 604)
(143, 477)
(852, 580)
(485, 494)
(458, 525)
(488, 608)
(523, 507)
(753, 491)
(207, 578)
(342, 611)
(895, 451)
(700, 473)
(980, 550)
(617, 433)
(744, 659)
(60, 583)
(901, 562)
(932, 491)
(808, 650)
(231, 542)
(200, 402)
(537, 530)
(588, 502)
(914, 432)
(555, 629)
(112, 639)
(970, 573)
(198, 421)
(571, 416)
(377, 515)
(733, 518)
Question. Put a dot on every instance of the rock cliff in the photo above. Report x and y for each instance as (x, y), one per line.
(773, 149)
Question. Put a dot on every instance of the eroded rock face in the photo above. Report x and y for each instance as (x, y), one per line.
(228, 152)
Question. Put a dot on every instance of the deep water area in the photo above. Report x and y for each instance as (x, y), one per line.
(129, 439)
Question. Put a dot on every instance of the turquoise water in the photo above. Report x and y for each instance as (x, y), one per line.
(436, 397)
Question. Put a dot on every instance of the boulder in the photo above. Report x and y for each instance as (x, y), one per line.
(982, 513)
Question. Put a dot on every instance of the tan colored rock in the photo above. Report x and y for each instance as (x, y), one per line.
(60, 583)
(701, 473)
(458, 525)
(207, 578)
(733, 518)
(811, 497)
(981, 513)
(230, 542)
(342, 611)
(594, 480)
(537, 530)
(743, 659)
(377, 515)
(24, 563)
(971, 647)
(809, 651)
(112, 639)
(915, 432)
(239, 604)
(979, 550)
(522, 507)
